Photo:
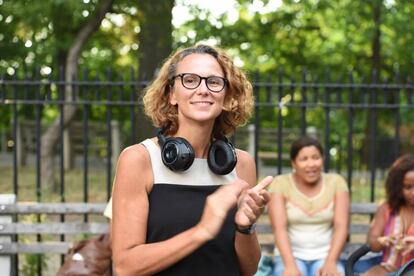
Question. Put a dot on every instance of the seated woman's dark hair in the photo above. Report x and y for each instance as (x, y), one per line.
(302, 142)
(394, 181)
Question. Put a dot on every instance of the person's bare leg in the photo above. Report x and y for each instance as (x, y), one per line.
(376, 271)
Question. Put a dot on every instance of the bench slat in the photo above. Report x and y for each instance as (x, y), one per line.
(52, 208)
(262, 228)
(363, 208)
(267, 248)
(53, 228)
(34, 248)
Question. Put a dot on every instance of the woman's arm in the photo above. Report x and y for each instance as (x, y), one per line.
(376, 230)
(279, 221)
(133, 181)
(247, 245)
(340, 231)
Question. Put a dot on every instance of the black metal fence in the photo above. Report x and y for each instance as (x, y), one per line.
(363, 127)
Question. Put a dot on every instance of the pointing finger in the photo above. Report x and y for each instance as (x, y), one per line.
(263, 184)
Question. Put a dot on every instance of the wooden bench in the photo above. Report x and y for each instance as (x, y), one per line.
(79, 226)
(48, 222)
(358, 229)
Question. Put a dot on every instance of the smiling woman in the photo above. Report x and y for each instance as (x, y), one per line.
(309, 214)
(187, 198)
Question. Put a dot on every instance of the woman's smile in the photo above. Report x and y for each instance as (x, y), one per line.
(201, 103)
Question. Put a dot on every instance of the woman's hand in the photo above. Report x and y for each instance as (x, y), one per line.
(386, 241)
(252, 203)
(408, 244)
(291, 271)
(328, 269)
(217, 206)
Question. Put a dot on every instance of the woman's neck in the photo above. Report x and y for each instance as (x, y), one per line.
(198, 137)
(309, 189)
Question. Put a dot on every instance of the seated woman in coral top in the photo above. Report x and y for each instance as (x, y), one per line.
(392, 229)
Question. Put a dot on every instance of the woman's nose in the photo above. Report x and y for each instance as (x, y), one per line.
(202, 88)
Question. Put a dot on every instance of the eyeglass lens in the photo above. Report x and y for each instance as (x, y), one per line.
(192, 81)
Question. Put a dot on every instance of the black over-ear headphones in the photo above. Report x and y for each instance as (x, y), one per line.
(178, 155)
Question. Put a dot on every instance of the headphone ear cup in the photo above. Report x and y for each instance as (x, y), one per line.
(177, 154)
(222, 157)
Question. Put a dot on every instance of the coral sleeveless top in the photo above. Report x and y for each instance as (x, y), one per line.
(392, 258)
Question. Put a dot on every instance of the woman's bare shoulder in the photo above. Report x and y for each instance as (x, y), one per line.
(133, 154)
(134, 166)
(244, 160)
(383, 208)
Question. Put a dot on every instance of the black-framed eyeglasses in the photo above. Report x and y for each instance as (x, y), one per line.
(191, 81)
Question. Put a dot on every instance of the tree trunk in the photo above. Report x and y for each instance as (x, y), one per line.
(51, 136)
(155, 44)
(371, 151)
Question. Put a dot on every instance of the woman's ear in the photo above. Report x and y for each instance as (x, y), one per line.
(292, 163)
(172, 99)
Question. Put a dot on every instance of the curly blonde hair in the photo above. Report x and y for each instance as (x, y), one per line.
(238, 102)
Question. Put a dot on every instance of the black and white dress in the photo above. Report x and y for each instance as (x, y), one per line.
(176, 203)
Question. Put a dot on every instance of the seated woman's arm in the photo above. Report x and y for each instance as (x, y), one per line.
(375, 237)
(278, 219)
(340, 229)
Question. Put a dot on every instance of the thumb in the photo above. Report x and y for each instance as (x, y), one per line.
(241, 185)
(236, 187)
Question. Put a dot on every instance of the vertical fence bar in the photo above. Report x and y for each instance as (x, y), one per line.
(15, 238)
(109, 134)
(327, 131)
(350, 147)
(397, 100)
(280, 123)
(14, 134)
(372, 119)
(303, 105)
(62, 84)
(83, 92)
(38, 118)
(256, 91)
(62, 102)
(38, 133)
(133, 114)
